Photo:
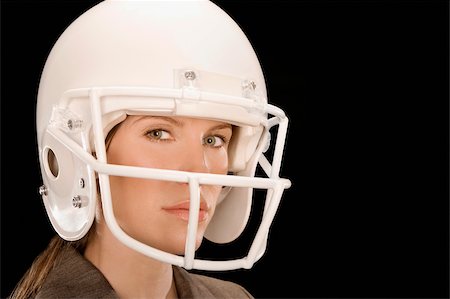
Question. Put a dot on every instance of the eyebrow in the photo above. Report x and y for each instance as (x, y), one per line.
(179, 123)
(222, 126)
(166, 118)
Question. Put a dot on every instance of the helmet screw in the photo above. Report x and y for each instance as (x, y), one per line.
(77, 201)
(249, 85)
(81, 183)
(189, 75)
(74, 124)
(43, 190)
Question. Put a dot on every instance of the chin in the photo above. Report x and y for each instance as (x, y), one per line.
(180, 248)
(174, 244)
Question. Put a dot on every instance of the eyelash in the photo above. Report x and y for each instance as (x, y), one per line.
(149, 132)
(221, 137)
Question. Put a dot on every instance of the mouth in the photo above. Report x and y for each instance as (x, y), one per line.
(181, 211)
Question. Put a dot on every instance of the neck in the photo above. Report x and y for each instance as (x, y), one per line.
(130, 273)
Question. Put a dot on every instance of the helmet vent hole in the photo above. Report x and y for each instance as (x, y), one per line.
(52, 163)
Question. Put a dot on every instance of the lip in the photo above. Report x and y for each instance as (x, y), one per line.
(181, 210)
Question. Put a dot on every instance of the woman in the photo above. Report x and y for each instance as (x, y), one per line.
(152, 117)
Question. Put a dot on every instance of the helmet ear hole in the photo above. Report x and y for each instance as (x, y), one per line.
(52, 165)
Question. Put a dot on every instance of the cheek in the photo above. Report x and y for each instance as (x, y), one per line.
(143, 154)
(130, 196)
(210, 193)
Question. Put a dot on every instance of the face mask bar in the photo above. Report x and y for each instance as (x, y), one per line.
(166, 100)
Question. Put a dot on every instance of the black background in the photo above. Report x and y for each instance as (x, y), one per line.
(365, 85)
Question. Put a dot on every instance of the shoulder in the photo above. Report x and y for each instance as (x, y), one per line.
(75, 277)
(194, 285)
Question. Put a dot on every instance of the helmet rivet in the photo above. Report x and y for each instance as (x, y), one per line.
(189, 75)
(74, 124)
(81, 183)
(76, 201)
(43, 190)
(249, 85)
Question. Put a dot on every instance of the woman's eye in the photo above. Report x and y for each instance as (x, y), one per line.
(158, 134)
(214, 141)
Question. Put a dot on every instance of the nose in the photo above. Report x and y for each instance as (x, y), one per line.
(193, 158)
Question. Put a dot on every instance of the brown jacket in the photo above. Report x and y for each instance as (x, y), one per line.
(75, 277)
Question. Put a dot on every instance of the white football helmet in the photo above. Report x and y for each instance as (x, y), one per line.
(178, 58)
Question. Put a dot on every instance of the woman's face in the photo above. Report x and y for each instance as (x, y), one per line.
(156, 212)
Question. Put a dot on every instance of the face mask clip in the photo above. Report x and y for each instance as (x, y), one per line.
(66, 120)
